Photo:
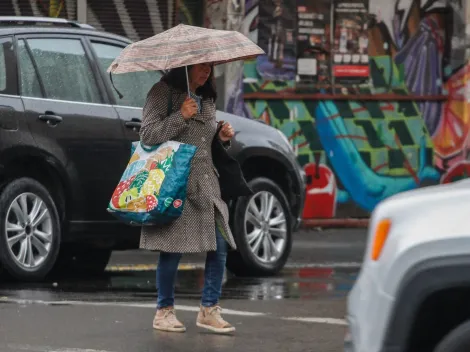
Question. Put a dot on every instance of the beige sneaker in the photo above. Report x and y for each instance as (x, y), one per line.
(165, 320)
(210, 318)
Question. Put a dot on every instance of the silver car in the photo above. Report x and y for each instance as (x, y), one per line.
(413, 291)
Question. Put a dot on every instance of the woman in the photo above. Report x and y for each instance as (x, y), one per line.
(203, 226)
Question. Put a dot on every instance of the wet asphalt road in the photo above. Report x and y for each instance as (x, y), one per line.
(302, 309)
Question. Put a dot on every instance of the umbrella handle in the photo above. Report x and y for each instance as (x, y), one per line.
(187, 80)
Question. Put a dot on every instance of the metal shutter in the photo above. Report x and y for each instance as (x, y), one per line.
(53, 8)
(190, 12)
(134, 19)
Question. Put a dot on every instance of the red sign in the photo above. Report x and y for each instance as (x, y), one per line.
(351, 71)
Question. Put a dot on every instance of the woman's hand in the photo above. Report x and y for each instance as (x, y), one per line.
(189, 108)
(226, 133)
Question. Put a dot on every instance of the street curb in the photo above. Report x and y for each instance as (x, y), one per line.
(335, 223)
(148, 267)
(185, 267)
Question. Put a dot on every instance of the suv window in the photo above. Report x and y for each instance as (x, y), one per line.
(7, 67)
(29, 80)
(133, 86)
(63, 68)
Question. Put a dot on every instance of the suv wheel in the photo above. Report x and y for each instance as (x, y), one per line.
(29, 230)
(263, 231)
(458, 340)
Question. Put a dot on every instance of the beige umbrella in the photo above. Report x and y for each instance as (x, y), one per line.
(184, 45)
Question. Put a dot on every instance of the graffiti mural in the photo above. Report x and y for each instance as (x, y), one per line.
(357, 153)
(242, 16)
(228, 15)
(276, 29)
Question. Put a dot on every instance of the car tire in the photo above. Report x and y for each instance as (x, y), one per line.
(255, 238)
(30, 231)
(458, 340)
(82, 260)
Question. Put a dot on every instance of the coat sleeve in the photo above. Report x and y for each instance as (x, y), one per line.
(156, 127)
(227, 144)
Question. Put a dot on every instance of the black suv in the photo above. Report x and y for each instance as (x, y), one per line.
(65, 140)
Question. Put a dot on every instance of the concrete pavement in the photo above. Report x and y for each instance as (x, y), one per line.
(301, 309)
(80, 328)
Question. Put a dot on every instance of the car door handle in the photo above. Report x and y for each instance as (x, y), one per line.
(51, 119)
(135, 125)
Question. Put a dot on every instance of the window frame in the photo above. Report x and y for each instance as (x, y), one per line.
(90, 40)
(33, 62)
(88, 56)
(12, 84)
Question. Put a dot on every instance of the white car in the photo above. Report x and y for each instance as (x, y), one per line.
(413, 291)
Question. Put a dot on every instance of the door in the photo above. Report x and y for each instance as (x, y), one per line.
(68, 118)
(133, 86)
(12, 128)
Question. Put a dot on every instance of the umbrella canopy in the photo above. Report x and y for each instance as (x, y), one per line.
(184, 45)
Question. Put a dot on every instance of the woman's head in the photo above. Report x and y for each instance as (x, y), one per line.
(200, 76)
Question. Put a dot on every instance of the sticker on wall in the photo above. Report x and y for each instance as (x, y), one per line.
(313, 41)
(350, 47)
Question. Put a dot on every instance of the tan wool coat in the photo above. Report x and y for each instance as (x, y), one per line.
(194, 230)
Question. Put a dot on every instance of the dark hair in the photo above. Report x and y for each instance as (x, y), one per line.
(176, 78)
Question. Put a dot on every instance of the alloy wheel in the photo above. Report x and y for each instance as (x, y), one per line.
(28, 230)
(265, 227)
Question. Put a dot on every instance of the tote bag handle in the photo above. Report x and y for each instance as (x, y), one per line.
(169, 110)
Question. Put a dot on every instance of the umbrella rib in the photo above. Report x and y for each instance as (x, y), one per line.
(168, 44)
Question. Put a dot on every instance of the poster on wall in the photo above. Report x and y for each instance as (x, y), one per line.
(276, 37)
(350, 47)
(313, 41)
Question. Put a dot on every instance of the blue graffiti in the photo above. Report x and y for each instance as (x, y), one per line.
(365, 187)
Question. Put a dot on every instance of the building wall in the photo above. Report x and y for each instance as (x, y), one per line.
(53, 8)
(134, 19)
(362, 140)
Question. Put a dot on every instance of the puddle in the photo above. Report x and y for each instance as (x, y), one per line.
(298, 284)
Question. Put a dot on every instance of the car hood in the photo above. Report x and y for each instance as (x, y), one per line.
(431, 195)
(258, 133)
(255, 126)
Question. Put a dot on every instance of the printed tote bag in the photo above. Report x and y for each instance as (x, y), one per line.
(152, 189)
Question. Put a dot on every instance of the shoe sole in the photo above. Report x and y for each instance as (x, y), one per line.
(169, 329)
(218, 330)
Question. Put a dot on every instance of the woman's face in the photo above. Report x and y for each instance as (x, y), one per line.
(200, 73)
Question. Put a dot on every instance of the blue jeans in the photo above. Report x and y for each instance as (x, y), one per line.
(213, 275)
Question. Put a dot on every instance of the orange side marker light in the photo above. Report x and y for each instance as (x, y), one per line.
(380, 236)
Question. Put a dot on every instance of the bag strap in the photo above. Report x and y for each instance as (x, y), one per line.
(169, 108)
